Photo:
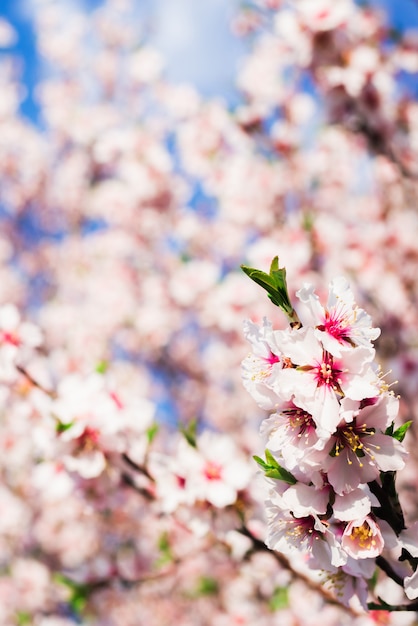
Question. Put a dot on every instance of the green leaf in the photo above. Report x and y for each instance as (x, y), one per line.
(189, 431)
(280, 599)
(260, 461)
(79, 600)
(265, 281)
(152, 431)
(400, 432)
(61, 427)
(79, 593)
(102, 367)
(166, 553)
(23, 618)
(270, 459)
(204, 586)
(389, 429)
(275, 285)
(207, 586)
(272, 469)
(308, 222)
(279, 276)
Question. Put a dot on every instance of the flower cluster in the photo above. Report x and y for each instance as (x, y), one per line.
(124, 215)
(330, 438)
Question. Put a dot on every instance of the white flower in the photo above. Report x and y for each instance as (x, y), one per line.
(323, 379)
(362, 538)
(292, 432)
(291, 535)
(260, 367)
(341, 323)
(359, 450)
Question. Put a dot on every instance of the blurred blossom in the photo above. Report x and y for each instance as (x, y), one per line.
(147, 150)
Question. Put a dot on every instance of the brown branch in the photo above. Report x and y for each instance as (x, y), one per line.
(35, 383)
(388, 569)
(285, 563)
(138, 468)
(129, 482)
(373, 606)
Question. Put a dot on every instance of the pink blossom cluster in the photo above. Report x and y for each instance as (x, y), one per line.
(100, 508)
(330, 440)
(127, 486)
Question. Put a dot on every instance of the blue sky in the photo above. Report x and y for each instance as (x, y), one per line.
(402, 14)
(193, 35)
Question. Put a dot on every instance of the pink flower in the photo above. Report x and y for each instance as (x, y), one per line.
(304, 500)
(17, 340)
(341, 323)
(213, 471)
(354, 505)
(260, 367)
(291, 535)
(324, 379)
(292, 432)
(362, 538)
(346, 587)
(324, 15)
(359, 450)
(411, 585)
(216, 470)
(94, 421)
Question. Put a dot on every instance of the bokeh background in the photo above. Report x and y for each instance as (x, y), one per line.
(147, 150)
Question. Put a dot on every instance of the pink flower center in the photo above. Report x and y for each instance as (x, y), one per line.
(302, 529)
(323, 15)
(328, 373)
(213, 471)
(299, 420)
(336, 325)
(273, 358)
(116, 399)
(88, 439)
(10, 338)
(350, 438)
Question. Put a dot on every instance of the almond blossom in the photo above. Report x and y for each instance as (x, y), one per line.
(318, 375)
(17, 340)
(93, 421)
(260, 366)
(290, 535)
(211, 471)
(292, 432)
(362, 539)
(359, 450)
(128, 202)
(331, 440)
(341, 322)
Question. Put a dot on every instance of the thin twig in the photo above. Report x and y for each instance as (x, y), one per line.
(285, 563)
(138, 468)
(389, 571)
(34, 382)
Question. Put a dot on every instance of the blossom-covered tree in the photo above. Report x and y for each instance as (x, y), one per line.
(129, 491)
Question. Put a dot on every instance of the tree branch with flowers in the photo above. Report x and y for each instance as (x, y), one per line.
(128, 488)
(333, 448)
